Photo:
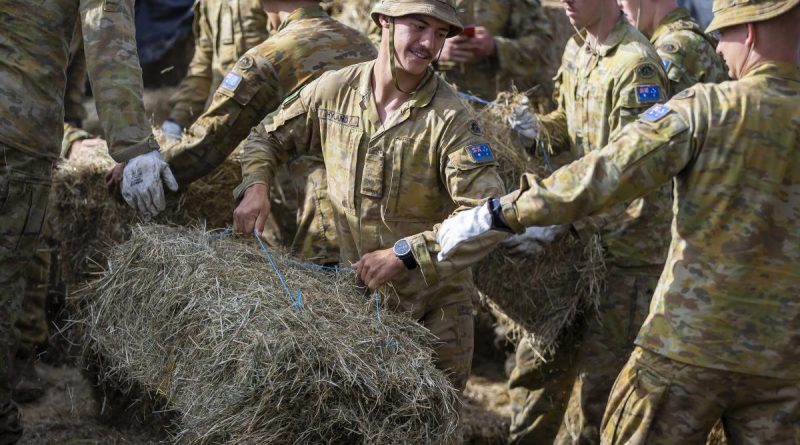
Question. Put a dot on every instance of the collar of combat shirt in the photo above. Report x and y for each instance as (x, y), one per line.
(678, 16)
(302, 13)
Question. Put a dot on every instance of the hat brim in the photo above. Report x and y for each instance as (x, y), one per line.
(739, 15)
(438, 10)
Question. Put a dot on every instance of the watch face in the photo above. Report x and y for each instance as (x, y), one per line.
(402, 248)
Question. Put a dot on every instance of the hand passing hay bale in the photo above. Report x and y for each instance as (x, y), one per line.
(208, 326)
(539, 297)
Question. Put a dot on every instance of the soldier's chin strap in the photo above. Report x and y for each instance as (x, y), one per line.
(393, 68)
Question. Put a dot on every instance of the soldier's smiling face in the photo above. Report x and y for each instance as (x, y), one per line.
(583, 13)
(418, 39)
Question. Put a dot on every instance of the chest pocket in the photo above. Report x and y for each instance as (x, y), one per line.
(340, 145)
(414, 192)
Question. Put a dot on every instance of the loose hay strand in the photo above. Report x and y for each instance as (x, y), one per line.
(207, 328)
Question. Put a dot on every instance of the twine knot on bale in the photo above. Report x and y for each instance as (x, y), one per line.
(206, 325)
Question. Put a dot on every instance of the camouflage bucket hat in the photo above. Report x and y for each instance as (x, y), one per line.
(443, 10)
(737, 12)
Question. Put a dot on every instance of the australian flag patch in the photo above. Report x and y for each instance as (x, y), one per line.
(648, 93)
(481, 153)
(655, 113)
(231, 81)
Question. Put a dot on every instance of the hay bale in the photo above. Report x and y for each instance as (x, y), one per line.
(86, 218)
(542, 297)
(207, 326)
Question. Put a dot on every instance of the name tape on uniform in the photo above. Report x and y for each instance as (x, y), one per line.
(648, 93)
(339, 118)
(481, 153)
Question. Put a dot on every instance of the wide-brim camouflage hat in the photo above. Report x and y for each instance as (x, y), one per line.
(737, 12)
(443, 10)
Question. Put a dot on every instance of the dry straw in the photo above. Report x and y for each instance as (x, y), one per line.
(539, 297)
(207, 326)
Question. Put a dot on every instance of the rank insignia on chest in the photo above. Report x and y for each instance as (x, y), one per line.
(231, 81)
(648, 93)
(481, 153)
(656, 113)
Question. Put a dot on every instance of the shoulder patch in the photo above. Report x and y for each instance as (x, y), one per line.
(290, 98)
(246, 62)
(481, 153)
(685, 94)
(231, 81)
(475, 128)
(648, 94)
(655, 113)
(645, 71)
(669, 48)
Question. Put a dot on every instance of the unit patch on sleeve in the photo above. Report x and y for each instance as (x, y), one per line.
(481, 153)
(231, 81)
(648, 94)
(656, 113)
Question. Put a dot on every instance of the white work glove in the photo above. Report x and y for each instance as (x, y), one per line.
(466, 226)
(523, 121)
(533, 241)
(171, 130)
(141, 183)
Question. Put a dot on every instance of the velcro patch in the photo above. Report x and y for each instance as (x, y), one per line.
(339, 118)
(648, 93)
(231, 81)
(481, 153)
(656, 113)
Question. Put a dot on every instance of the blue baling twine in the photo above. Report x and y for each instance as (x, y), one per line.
(474, 98)
(297, 300)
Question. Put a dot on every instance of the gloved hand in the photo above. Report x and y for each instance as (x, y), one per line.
(467, 226)
(523, 121)
(533, 241)
(172, 130)
(141, 183)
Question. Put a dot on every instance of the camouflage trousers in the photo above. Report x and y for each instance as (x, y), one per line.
(660, 401)
(24, 188)
(453, 326)
(578, 379)
(32, 319)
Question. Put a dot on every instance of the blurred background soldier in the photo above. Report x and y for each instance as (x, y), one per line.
(689, 56)
(223, 31)
(504, 43)
(32, 86)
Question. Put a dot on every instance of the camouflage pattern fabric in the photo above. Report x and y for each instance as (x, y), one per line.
(599, 91)
(446, 166)
(688, 55)
(737, 12)
(37, 39)
(223, 31)
(727, 298)
(32, 320)
(74, 111)
(308, 43)
(658, 401)
(522, 34)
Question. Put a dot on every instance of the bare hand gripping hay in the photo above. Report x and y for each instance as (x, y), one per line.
(207, 326)
(541, 297)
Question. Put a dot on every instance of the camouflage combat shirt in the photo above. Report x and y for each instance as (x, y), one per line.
(729, 295)
(34, 54)
(689, 56)
(599, 91)
(386, 181)
(223, 31)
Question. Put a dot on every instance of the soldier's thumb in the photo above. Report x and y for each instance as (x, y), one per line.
(169, 179)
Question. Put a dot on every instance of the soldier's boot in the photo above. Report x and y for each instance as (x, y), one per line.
(26, 385)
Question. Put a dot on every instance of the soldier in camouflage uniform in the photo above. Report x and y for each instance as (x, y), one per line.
(223, 31)
(32, 84)
(722, 338)
(688, 54)
(605, 80)
(509, 47)
(400, 153)
(306, 43)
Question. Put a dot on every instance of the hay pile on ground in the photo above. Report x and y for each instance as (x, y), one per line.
(543, 296)
(86, 218)
(207, 325)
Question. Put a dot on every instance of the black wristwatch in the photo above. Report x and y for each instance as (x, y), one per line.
(402, 250)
